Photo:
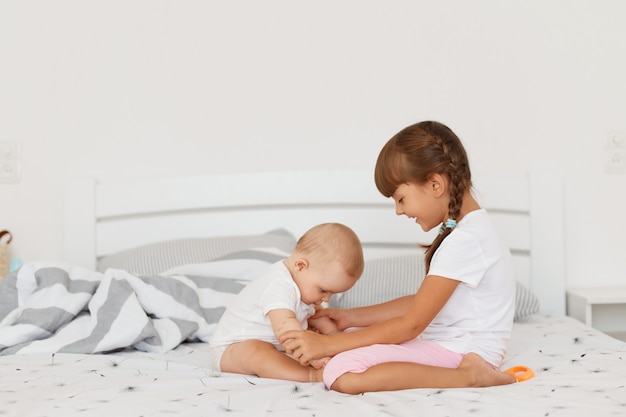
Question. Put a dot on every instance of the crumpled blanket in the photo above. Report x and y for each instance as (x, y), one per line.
(54, 307)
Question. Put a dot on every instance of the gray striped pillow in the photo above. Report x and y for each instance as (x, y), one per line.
(388, 278)
(526, 302)
(383, 280)
(158, 257)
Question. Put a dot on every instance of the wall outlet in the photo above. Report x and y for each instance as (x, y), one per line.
(9, 162)
(616, 161)
(615, 152)
(9, 171)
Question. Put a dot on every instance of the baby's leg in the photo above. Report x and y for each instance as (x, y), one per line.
(255, 357)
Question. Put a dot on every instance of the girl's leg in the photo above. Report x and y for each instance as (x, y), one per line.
(415, 351)
(473, 371)
(415, 364)
(255, 357)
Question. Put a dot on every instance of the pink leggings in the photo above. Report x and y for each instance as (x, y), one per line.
(416, 351)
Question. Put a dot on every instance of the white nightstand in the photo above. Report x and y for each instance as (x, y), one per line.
(601, 308)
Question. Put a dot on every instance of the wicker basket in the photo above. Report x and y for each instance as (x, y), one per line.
(5, 259)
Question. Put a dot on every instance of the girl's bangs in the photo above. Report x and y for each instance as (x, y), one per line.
(390, 171)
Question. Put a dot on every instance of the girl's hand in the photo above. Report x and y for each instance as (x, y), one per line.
(304, 346)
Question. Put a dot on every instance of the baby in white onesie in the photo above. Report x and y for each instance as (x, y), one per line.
(327, 259)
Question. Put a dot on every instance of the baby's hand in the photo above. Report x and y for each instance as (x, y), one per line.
(319, 363)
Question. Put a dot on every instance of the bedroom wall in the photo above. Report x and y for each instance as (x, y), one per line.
(144, 89)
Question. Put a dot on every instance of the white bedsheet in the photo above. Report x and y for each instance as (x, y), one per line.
(579, 372)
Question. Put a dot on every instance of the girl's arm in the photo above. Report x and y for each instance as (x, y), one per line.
(426, 303)
(369, 315)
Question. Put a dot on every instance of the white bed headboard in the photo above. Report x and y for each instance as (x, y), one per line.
(102, 218)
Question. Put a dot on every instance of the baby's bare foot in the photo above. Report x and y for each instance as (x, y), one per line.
(315, 375)
(319, 363)
(482, 374)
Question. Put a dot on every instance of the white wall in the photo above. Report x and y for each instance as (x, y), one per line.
(138, 88)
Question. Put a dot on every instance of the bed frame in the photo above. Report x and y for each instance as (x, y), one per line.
(105, 217)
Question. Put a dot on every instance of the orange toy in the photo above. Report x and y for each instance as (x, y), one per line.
(521, 373)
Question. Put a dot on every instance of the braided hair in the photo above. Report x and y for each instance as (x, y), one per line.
(417, 152)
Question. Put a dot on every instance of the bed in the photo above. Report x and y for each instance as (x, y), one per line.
(69, 346)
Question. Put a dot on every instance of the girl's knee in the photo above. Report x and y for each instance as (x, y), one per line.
(346, 363)
(346, 384)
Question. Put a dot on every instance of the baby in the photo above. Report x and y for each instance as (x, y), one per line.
(327, 259)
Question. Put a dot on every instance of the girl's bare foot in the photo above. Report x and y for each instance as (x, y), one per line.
(482, 374)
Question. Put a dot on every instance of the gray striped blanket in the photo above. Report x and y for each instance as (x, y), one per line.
(52, 307)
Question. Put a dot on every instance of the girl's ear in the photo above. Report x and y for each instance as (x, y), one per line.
(437, 184)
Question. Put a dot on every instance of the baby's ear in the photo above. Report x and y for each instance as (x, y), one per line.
(301, 264)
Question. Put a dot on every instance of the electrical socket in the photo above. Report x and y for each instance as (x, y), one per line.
(615, 152)
(9, 161)
(616, 161)
(9, 170)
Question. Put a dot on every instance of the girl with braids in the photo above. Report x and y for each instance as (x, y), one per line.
(453, 331)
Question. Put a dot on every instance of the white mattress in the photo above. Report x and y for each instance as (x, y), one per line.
(579, 372)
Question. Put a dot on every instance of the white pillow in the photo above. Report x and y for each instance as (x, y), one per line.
(220, 280)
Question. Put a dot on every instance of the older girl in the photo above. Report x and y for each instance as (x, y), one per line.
(453, 332)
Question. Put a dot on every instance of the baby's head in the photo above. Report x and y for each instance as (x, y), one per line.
(327, 259)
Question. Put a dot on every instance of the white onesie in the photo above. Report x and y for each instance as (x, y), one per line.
(246, 317)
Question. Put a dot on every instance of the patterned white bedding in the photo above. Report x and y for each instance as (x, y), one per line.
(579, 372)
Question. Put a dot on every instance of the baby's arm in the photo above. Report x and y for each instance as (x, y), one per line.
(283, 320)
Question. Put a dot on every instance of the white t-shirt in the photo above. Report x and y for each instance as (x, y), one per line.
(478, 317)
(246, 317)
